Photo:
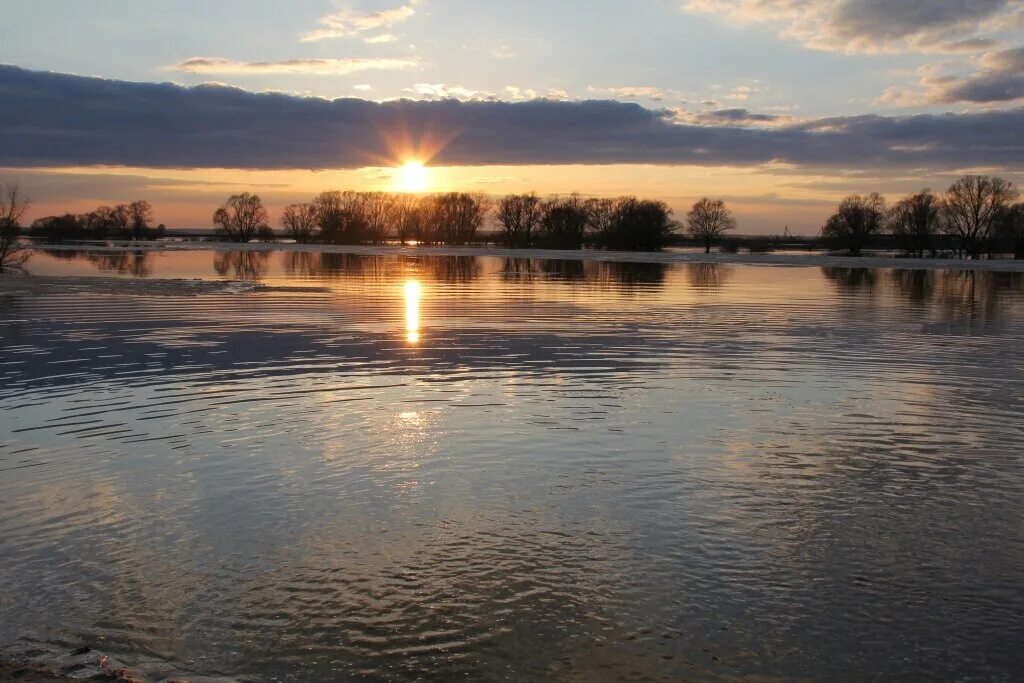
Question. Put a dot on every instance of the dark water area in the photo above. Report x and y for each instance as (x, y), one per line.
(393, 468)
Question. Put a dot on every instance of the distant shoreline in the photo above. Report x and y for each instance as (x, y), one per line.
(666, 257)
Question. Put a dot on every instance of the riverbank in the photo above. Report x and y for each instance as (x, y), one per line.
(821, 260)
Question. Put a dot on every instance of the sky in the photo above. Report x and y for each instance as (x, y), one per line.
(780, 107)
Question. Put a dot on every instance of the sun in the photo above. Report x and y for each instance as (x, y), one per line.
(412, 176)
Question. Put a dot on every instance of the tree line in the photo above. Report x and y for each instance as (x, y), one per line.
(133, 220)
(975, 216)
(520, 220)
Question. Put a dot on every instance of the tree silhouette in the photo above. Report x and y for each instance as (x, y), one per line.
(241, 216)
(140, 215)
(13, 205)
(708, 220)
(519, 216)
(637, 225)
(563, 223)
(1011, 229)
(455, 217)
(914, 221)
(972, 209)
(855, 222)
(299, 222)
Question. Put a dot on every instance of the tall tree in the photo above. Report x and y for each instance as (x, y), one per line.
(914, 221)
(13, 205)
(121, 218)
(380, 211)
(708, 220)
(140, 215)
(1011, 229)
(972, 208)
(299, 222)
(857, 219)
(240, 217)
(519, 216)
(564, 222)
(410, 216)
(455, 217)
(341, 216)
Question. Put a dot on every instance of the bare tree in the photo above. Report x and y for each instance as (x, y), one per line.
(140, 215)
(379, 211)
(122, 220)
(340, 216)
(563, 223)
(856, 220)
(241, 217)
(914, 221)
(708, 220)
(299, 221)
(601, 219)
(13, 205)
(410, 217)
(99, 224)
(634, 224)
(1011, 229)
(519, 216)
(455, 217)
(972, 208)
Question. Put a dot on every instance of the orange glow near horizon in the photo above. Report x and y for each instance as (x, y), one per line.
(412, 177)
(413, 292)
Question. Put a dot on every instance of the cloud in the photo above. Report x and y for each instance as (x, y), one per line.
(731, 117)
(316, 67)
(382, 38)
(344, 23)
(635, 92)
(441, 91)
(873, 25)
(998, 76)
(52, 119)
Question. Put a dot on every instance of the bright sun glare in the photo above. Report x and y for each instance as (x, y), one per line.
(413, 176)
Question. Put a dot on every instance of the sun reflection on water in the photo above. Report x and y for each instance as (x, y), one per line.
(413, 292)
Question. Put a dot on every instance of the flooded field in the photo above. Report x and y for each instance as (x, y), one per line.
(315, 466)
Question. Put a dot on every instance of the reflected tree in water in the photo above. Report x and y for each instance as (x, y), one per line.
(976, 296)
(242, 265)
(564, 269)
(627, 274)
(915, 285)
(708, 276)
(452, 269)
(137, 264)
(853, 280)
(301, 263)
(520, 269)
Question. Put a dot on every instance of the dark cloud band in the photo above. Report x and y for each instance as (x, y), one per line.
(53, 119)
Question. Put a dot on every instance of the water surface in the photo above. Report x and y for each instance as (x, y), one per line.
(406, 468)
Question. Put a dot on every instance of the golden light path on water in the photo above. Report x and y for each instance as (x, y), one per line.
(413, 292)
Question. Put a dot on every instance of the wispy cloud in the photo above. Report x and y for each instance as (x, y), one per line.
(316, 67)
(346, 22)
(635, 92)
(853, 26)
(442, 91)
(382, 38)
